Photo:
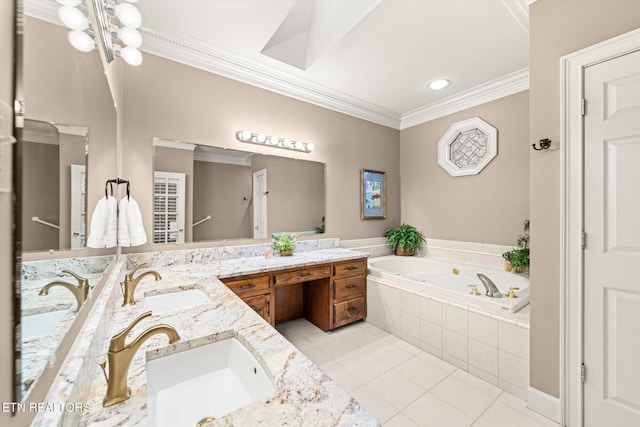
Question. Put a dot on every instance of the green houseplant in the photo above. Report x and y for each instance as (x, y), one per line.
(517, 260)
(404, 240)
(284, 243)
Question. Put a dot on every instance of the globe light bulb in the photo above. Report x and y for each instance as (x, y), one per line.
(261, 137)
(130, 37)
(246, 135)
(70, 3)
(132, 56)
(81, 41)
(310, 146)
(72, 18)
(128, 15)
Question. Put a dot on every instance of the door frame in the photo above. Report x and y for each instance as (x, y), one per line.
(572, 216)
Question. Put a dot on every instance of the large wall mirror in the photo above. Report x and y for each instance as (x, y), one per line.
(204, 193)
(66, 150)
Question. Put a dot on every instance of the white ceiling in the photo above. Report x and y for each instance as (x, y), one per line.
(372, 59)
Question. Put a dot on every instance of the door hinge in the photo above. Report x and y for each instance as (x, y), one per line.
(583, 239)
(583, 373)
(583, 106)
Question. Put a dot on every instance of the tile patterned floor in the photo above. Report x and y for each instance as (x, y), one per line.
(404, 386)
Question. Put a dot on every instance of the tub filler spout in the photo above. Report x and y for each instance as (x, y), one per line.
(490, 287)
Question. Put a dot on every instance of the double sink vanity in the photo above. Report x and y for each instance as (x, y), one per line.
(206, 357)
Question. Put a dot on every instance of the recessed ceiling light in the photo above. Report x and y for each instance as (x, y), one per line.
(439, 84)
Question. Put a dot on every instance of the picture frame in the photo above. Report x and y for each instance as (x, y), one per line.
(373, 194)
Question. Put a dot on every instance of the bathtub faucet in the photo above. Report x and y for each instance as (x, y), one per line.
(492, 289)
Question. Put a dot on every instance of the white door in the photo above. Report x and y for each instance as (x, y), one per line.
(260, 204)
(612, 253)
(168, 207)
(78, 206)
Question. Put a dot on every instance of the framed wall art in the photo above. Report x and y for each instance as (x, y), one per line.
(373, 194)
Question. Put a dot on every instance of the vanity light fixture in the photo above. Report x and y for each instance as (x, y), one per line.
(274, 141)
(439, 84)
(116, 20)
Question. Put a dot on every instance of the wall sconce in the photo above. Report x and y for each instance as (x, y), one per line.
(273, 141)
(74, 14)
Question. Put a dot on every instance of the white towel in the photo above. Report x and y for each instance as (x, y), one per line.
(130, 228)
(104, 224)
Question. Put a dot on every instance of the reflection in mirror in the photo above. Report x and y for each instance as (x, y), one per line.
(67, 101)
(52, 292)
(54, 169)
(204, 193)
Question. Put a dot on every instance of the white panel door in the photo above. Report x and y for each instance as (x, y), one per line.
(260, 204)
(612, 254)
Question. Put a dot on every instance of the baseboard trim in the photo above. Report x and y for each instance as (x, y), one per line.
(544, 404)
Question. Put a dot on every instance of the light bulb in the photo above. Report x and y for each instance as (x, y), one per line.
(70, 3)
(246, 135)
(310, 146)
(274, 140)
(261, 137)
(128, 15)
(81, 41)
(72, 18)
(132, 56)
(130, 36)
(286, 142)
(300, 145)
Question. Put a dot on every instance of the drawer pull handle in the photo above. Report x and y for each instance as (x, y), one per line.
(245, 287)
(305, 274)
(352, 309)
(352, 267)
(351, 286)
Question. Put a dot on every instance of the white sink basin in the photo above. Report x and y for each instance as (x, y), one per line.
(42, 324)
(175, 300)
(207, 381)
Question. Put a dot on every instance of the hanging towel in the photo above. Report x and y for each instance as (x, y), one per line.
(104, 224)
(130, 228)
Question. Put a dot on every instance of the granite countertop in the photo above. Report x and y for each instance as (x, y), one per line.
(304, 395)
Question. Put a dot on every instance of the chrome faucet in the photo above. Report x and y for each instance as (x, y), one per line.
(120, 355)
(80, 292)
(489, 286)
(129, 285)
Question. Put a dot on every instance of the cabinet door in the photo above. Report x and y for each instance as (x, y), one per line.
(261, 304)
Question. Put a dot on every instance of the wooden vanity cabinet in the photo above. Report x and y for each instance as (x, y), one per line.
(256, 291)
(328, 295)
(348, 292)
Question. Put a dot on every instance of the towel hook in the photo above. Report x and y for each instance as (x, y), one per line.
(544, 145)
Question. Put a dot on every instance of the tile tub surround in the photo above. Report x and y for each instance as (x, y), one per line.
(490, 344)
(303, 391)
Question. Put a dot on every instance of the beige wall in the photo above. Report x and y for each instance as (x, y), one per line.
(489, 207)
(71, 153)
(63, 85)
(41, 181)
(219, 190)
(175, 102)
(296, 200)
(557, 28)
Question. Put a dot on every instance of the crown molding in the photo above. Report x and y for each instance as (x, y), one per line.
(490, 91)
(157, 142)
(44, 10)
(229, 65)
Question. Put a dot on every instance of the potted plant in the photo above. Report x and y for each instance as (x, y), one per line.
(404, 240)
(284, 243)
(517, 260)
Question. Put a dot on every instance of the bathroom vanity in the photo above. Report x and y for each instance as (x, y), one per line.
(326, 286)
(329, 295)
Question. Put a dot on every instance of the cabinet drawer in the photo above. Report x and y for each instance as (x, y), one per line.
(349, 311)
(351, 268)
(247, 285)
(348, 288)
(302, 275)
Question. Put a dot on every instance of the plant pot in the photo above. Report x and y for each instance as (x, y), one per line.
(507, 266)
(288, 252)
(404, 250)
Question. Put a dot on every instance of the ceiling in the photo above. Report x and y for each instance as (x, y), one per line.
(371, 59)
